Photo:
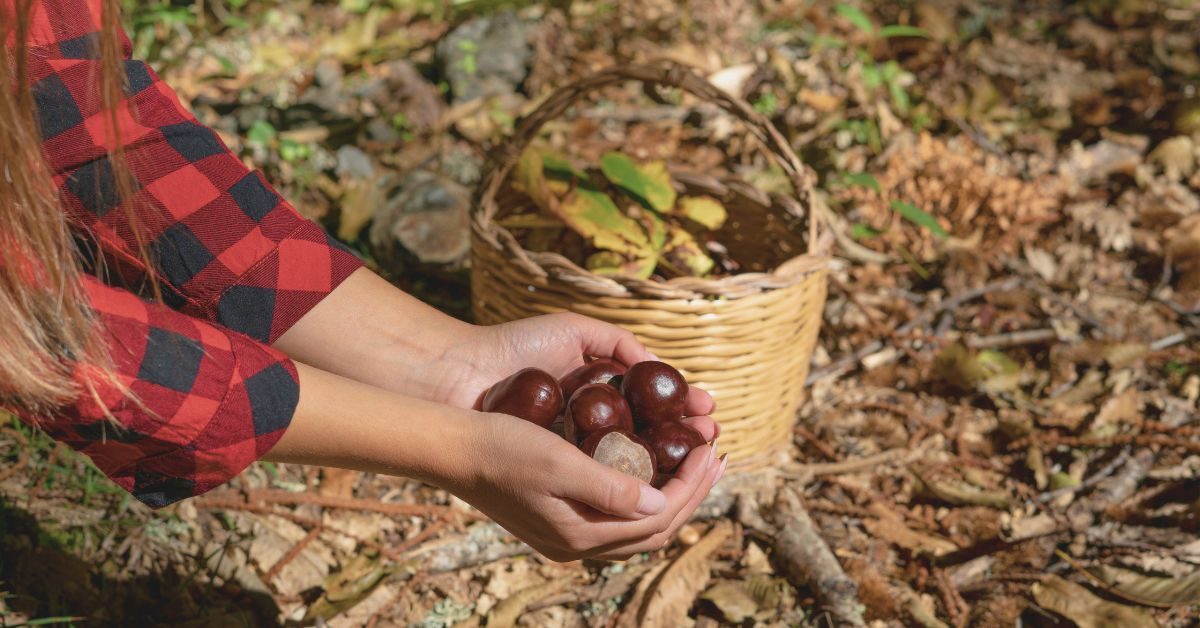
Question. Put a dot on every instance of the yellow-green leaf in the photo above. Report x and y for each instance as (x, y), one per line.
(594, 216)
(649, 183)
(705, 210)
(530, 178)
(684, 255)
(609, 263)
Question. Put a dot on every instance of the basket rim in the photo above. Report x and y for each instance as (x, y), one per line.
(550, 265)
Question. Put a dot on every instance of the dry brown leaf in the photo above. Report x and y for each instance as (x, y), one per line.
(1086, 609)
(732, 599)
(629, 617)
(890, 527)
(1151, 590)
(673, 592)
(506, 613)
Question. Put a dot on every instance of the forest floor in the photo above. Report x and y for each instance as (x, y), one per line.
(1002, 420)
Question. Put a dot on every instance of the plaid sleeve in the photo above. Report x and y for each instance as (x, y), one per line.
(227, 246)
(211, 401)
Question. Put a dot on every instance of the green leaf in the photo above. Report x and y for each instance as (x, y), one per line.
(260, 132)
(859, 179)
(705, 210)
(902, 30)
(559, 167)
(856, 17)
(872, 76)
(919, 217)
(649, 183)
(859, 231)
(825, 41)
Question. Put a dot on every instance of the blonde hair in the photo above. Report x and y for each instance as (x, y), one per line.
(48, 330)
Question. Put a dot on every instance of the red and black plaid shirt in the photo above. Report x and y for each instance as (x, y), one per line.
(239, 265)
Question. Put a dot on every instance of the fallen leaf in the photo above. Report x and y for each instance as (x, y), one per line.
(891, 527)
(731, 598)
(1083, 607)
(506, 613)
(673, 593)
(1151, 590)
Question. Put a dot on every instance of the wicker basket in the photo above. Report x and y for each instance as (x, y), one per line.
(746, 338)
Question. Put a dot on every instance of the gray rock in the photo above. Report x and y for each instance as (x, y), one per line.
(485, 56)
(353, 163)
(426, 215)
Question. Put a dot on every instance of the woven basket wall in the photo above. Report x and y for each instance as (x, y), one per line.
(746, 338)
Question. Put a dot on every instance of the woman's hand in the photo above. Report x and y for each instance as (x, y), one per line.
(555, 343)
(528, 479)
(566, 505)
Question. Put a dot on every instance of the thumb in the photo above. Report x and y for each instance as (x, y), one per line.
(605, 340)
(618, 494)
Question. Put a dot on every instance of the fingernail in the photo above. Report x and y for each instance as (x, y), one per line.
(721, 472)
(651, 502)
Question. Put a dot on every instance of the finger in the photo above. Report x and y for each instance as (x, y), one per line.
(707, 427)
(610, 491)
(606, 530)
(604, 340)
(699, 402)
(656, 541)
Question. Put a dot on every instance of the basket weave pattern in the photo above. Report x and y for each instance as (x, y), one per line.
(746, 338)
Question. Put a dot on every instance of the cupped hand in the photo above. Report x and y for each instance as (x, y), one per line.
(555, 343)
(566, 505)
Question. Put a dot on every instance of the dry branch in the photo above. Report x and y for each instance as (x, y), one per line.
(811, 564)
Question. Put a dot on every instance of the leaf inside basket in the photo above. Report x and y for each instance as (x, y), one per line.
(631, 217)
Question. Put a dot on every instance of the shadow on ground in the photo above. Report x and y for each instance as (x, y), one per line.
(45, 580)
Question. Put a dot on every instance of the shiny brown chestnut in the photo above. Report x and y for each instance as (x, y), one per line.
(597, 371)
(671, 442)
(656, 392)
(531, 394)
(594, 408)
(622, 451)
(616, 380)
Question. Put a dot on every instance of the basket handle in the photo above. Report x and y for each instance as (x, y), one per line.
(664, 74)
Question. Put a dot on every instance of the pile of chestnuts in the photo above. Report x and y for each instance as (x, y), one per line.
(628, 419)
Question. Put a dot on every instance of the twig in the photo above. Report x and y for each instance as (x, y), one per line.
(924, 318)
(859, 464)
(1013, 339)
(1117, 462)
(289, 498)
(293, 553)
(810, 562)
(1174, 339)
(817, 443)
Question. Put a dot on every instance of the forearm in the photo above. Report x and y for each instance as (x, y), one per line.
(343, 423)
(372, 332)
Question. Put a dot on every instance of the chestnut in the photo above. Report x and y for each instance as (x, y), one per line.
(671, 442)
(655, 391)
(531, 394)
(622, 451)
(616, 380)
(597, 371)
(594, 408)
